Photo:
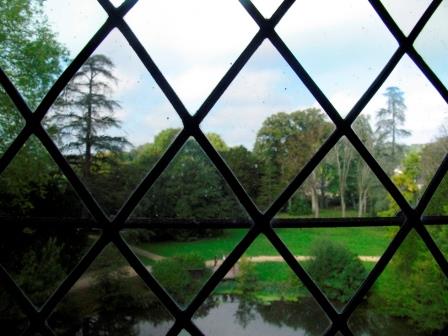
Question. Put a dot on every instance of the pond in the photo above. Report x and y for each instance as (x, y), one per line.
(233, 316)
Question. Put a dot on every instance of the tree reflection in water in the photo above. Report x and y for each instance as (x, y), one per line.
(305, 315)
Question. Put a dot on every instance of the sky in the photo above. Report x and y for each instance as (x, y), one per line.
(341, 44)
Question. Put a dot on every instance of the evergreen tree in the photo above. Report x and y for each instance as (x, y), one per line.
(390, 118)
(85, 110)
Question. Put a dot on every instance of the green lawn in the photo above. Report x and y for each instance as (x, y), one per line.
(361, 241)
(276, 281)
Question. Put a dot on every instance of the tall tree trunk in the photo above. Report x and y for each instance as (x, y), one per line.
(360, 205)
(315, 202)
(322, 191)
(364, 200)
(314, 194)
(343, 207)
(343, 167)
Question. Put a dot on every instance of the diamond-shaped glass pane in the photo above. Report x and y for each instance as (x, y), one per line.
(40, 259)
(271, 123)
(407, 116)
(34, 186)
(190, 188)
(338, 259)
(342, 44)
(410, 296)
(182, 260)
(111, 122)
(37, 248)
(111, 299)
(342, 185)
(261, 294)
(192, 41)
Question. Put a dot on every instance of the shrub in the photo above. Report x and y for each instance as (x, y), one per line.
(247, 282)
(337, 271)
(177, 275)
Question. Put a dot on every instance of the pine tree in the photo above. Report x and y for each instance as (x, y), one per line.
(390, 119)
(85, 111)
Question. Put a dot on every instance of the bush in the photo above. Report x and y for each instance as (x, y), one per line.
(337, 271)
(181, 276)
(247, 281)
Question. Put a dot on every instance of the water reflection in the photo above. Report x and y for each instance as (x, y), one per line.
(237, 316)
(229, 315)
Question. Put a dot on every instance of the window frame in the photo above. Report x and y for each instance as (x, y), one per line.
(260, 223)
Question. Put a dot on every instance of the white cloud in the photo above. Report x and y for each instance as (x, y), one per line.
(342, 44)
(75, 21)
(192, 30)
(195, 84)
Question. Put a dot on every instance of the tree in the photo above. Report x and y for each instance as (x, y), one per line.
(84, 112)
(390, 118)
(190, 188)
(406, 181)
(245, 166)
(30, 54)
(32, 58)
(182, 275)
(283, 146)
(337, 271)
(344, 156)
(423, 297)
(363, 173)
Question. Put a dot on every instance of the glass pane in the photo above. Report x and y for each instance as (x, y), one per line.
(342, 185)
(270, 123)
(410, 297)
(109, 122)
(261, 294)
(338, 259)
(40, 259)
(342, 44)
(190, 188)
(117, 3)
(182, 260)
(34, 186)
(408, 117)
(192, 54)
(110, 299)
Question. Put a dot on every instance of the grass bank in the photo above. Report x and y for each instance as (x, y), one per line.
(371, 241)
